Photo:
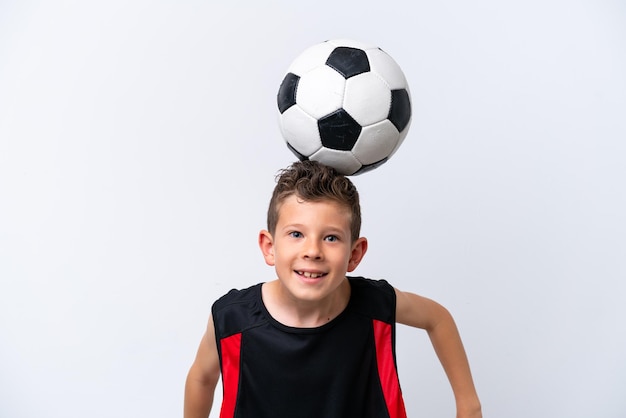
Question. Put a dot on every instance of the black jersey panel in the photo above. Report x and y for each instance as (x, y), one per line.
(330, 374)
(330, 371)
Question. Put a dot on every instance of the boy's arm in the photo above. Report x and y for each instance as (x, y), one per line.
(203, 377)
(420, 312)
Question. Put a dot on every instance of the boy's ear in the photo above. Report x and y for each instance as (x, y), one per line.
(359, 248)
(266, 244)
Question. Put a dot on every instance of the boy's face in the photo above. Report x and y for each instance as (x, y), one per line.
(312, 248)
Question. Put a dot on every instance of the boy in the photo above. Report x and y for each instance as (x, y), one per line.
(315, 343)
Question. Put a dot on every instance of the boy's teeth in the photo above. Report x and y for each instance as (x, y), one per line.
(311, 275)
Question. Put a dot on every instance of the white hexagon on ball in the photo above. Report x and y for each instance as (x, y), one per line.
(367, 98)
(320, 91)
(376, 142)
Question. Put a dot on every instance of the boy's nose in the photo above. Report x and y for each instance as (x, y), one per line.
(313, 250)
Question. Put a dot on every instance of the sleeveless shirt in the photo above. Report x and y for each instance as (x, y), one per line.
(345, 368)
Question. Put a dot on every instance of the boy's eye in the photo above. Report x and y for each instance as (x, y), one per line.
(295, 234)
(332, 238)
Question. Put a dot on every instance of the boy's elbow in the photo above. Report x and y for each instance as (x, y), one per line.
(440, 316)
(471, 409)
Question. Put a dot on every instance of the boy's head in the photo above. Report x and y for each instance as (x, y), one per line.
(314, 182)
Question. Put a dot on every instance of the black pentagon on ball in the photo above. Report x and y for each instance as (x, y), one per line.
(339, 130)
(400, 111)
(287, 92)
(348, 61)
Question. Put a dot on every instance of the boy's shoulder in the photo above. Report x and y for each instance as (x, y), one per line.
(365, 284)
(238, 296)
(374, 298)
(237, 310)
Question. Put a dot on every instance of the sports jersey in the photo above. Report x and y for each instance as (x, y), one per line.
(345, 368)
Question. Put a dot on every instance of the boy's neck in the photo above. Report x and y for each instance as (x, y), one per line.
(297, 313)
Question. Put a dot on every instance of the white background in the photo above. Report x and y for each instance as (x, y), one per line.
(138, 148)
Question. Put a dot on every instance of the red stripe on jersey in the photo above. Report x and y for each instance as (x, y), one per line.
(387, 370)
(231, 355)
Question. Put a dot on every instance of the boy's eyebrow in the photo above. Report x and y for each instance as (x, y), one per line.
(289, 227)
(334, 229)
(293, 225)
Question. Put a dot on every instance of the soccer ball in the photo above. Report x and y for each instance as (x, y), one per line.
(345, 104)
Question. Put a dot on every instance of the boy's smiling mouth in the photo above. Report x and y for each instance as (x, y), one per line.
(310, 275)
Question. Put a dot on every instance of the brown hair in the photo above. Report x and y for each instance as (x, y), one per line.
(312, 181)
